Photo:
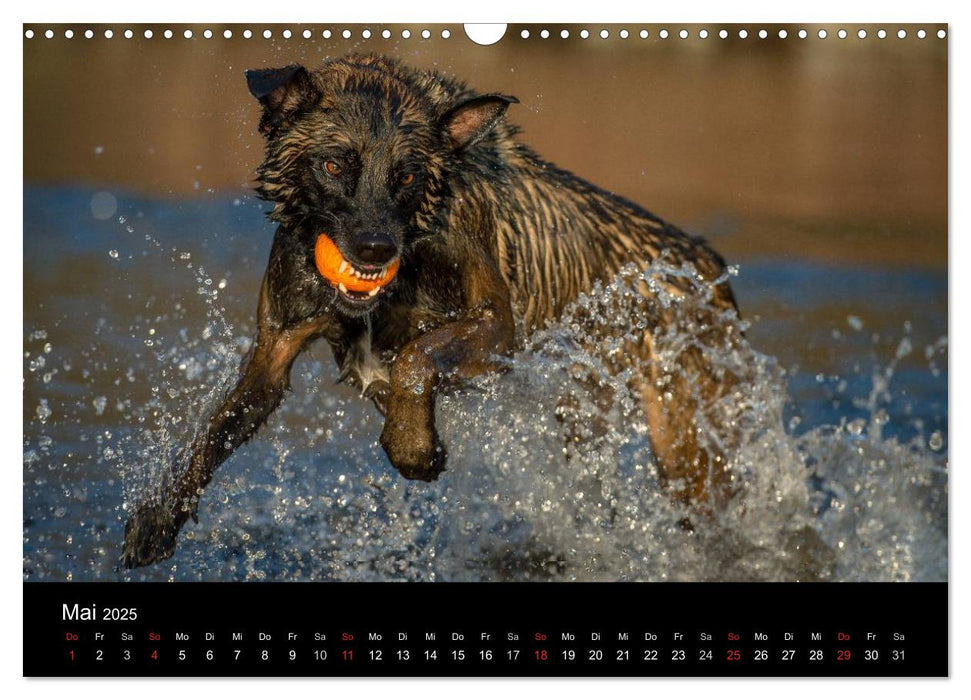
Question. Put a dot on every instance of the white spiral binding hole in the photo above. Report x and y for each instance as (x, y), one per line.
(485, 34)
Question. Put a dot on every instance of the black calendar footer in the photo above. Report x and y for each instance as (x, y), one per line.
(464, 629)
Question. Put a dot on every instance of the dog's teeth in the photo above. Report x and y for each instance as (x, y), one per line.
(354, 272)
(344, 266)
(374, 291)
(342, 287)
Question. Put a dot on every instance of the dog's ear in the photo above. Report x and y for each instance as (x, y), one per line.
(467, 122)
(282, 92)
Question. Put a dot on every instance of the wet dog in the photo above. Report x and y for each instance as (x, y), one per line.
(421, 240)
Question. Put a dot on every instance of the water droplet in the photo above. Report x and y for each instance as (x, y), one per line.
(99, 404)
(43, 411)
(936, 441)
(854, 322)
(113, 254)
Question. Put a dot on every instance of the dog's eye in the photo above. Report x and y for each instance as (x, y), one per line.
(407, 179)
(332, 168)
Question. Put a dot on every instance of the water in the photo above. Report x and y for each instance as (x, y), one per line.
(134, 325)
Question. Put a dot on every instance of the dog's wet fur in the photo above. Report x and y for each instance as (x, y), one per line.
(398, 164)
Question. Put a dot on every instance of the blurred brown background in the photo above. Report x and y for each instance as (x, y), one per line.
(830, 149)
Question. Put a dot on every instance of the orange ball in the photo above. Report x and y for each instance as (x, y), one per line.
(337, 270)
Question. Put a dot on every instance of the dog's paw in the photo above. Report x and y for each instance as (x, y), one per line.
(416, 454)
(380, 393)
(150, 535)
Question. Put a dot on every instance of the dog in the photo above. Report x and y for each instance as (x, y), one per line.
(422, 240)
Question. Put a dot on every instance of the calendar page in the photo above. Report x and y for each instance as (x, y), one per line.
(487, 350)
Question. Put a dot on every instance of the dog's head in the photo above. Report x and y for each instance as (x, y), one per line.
(359, 155)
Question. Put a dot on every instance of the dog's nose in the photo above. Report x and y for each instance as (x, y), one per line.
(377, 248)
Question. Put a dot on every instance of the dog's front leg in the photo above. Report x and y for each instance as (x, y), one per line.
(458, 350)
(151, 531)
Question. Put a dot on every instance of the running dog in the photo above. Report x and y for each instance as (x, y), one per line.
(421, 239)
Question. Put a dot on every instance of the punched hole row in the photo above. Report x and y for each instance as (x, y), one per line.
(725, 34)
(245, 34)
(446, 34)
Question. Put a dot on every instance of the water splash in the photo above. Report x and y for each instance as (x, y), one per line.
(832, 503)
(852, 497)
